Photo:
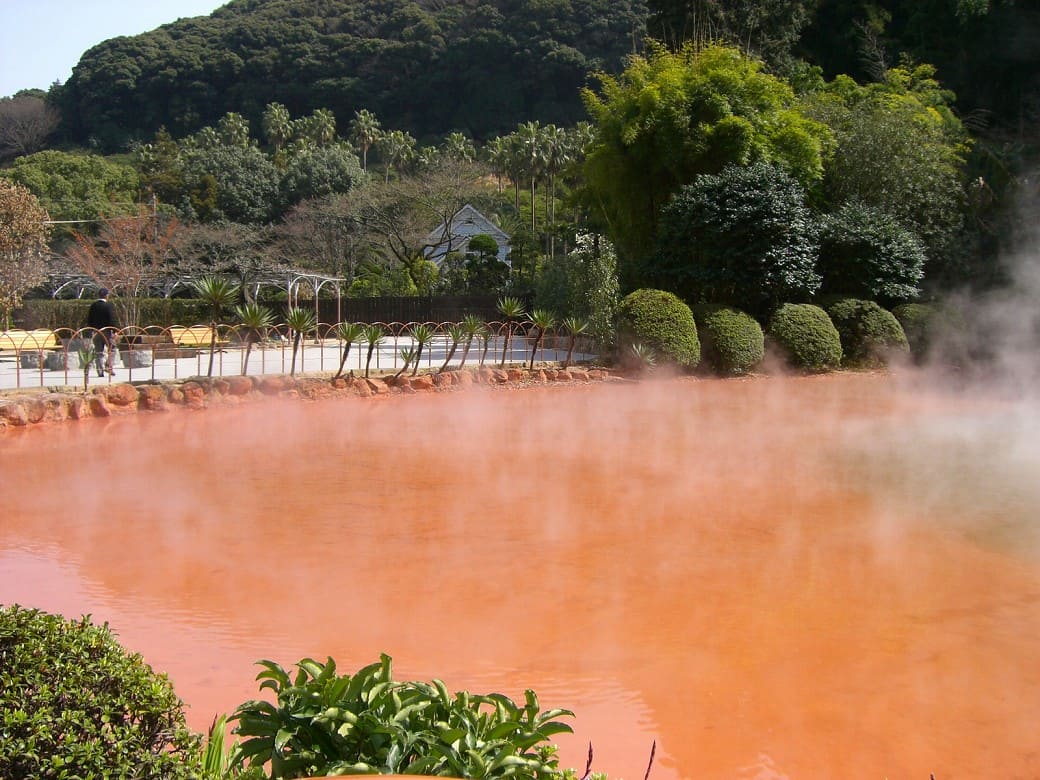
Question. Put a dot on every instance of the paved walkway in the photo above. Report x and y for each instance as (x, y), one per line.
(313, 357)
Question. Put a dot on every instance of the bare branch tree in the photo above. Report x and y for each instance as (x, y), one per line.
(402, 217)
(325, 235)
(127, 256)
(25, 124)
(247, 253)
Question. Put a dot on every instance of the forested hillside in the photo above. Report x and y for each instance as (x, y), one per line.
(483, 66)
(426, 67)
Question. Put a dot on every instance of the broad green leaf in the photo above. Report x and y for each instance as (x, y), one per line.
(503, 729)
(548, 729)
(281, 739)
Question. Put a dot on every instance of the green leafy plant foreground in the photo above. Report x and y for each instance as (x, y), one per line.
(369, 723)
(74, 704)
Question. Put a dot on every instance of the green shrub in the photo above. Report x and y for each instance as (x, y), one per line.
(920, 322)
(866, 252)
(870, 335)
(73, 703)
(72, 313)
(661, 321)
(369, 723)
(731, 340)
(806, 337)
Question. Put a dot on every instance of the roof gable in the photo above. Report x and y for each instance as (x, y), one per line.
(467, 221)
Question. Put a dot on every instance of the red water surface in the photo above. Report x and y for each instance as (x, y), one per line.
(737, 569)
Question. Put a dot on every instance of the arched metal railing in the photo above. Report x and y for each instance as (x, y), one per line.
(42, 358)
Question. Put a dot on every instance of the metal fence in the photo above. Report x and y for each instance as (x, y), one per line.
(45, 358)
(430, 308)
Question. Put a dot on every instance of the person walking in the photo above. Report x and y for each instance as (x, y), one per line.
(102, 319)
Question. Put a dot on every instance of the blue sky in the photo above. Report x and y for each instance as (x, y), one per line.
(41, 40)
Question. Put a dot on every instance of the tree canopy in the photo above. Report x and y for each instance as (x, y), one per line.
(671, 116)
(23, 241)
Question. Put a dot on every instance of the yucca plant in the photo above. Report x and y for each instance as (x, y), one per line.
(422, 334)
(542, 320)
(219, 294)
(300, 321)
(511, 309)
(456, 332)
(256, 319)
(372, 335)
(641, 357)
(484, 334)
(408, 354)
(86, 359)
(471, 325)
(348, 333)
(574, 326)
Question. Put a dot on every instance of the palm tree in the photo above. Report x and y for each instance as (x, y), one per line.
(542, 320)
(233, 129)
(497, 153)
(456, 332)
(299, 321)
(394, 146)
(323, 127)
(471, 325)
(277, 125)
(511, 309)
(422, 334)
(256, 319)
(348, 333)
(365, 130)
(459, 147)
(532, 154)
(373, 335)
(575, 326)
(557, 154)
(219, 293)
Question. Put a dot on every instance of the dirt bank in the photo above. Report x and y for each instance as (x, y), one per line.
(22, 408)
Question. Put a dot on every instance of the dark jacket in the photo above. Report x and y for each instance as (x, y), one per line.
(102, 314)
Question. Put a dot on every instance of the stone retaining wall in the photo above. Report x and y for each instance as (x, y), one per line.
(19, 409)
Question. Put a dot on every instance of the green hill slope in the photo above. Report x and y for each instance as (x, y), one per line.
(428, 67)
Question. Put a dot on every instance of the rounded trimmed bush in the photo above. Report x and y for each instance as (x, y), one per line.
(74, 703)
(661, 321)
(731, 340)
(806, 336)
(919, 321)
(870, 335)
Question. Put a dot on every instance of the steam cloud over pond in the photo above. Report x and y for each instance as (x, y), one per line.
(829, 576)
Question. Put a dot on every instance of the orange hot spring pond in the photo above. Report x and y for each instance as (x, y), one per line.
(775, 578)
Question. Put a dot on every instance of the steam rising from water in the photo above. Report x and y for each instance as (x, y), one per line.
(798, 577)
(758, 574)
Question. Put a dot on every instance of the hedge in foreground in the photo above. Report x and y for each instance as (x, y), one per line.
(806, 337)
(661, 321)
(73, 703)
(731, 340)
(870, 335)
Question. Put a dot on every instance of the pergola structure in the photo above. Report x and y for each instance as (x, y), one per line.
(60, 282)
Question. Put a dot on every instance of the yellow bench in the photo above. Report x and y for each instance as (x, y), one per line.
(196, 336)
(23, 340)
